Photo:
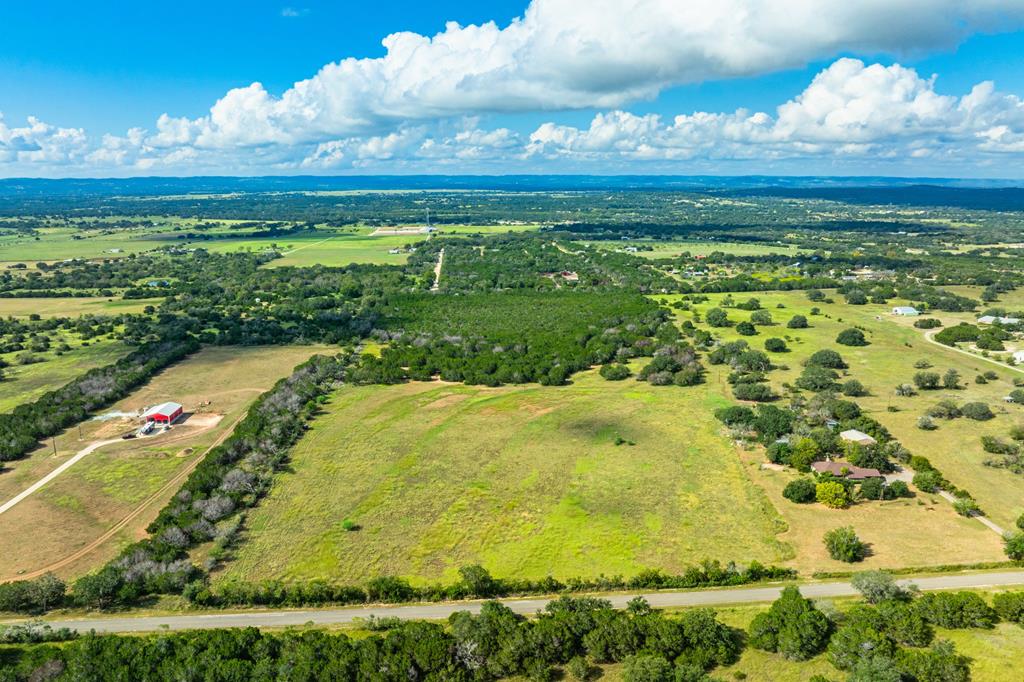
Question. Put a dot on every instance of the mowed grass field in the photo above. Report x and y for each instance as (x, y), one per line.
(923, 530)
(127, 477)
(527, 481)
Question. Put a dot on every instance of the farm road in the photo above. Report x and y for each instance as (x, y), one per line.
(717, 597)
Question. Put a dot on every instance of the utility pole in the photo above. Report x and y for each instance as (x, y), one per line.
(53, 441)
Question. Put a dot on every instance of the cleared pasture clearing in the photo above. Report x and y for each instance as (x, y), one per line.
(25, 383)
(527, 481)
(675, 248)
(336, 249)
(954, 447)
(73, 306)
(112, 482)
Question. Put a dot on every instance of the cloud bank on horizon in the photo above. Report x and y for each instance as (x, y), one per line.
(423, 106)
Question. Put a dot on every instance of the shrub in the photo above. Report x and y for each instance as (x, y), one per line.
(761, 318)
(927, 323)
(966, 506)
(832, 494)
(927, 481)
(756, 392)
(977, 411)
(775, 345)
(843, 545)
(854, 389)
(827, 358)
(647, 668)
(800, 490)
(1013, 545)
(905, 390)
(922, 364)
(792, 627)
(1017, 395)
(735, 414)
(746, 329)
(944, 409)
(615, 372)
(815, 378)
(797, 322)
(897, 489)
(716, 317)
(956, 610)
(1009, 606)
(851, 337)
(877, 586)
(927, 381)
(873, 489)
(951, 379)
(925, 423)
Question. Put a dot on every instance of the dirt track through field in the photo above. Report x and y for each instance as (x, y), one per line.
(131, 516)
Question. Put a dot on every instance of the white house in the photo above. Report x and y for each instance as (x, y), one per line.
(1018, 357)
(905, 310)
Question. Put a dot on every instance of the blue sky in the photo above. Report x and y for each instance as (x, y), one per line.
(558, 92)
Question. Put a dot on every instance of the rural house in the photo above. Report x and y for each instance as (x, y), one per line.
(905, 310)
(845, 470)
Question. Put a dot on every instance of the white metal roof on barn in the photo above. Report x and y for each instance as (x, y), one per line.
(856, 436)
(164, 409)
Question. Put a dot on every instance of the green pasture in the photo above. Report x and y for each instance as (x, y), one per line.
(528, 481)
(25, 383)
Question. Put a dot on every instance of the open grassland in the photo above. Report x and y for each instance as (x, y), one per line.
(73, 306)
(528, 481)
(90, 499)
(654, 248)
(954, 447)
(323, 248)
(25, 383)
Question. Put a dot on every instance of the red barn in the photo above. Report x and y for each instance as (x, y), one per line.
(165, 413)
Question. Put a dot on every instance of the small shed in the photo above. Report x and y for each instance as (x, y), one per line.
(905, 310)
(1018, 356)
(858, 437)
(164, 413)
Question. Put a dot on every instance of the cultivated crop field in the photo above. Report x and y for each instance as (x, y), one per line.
(107, 498)
(528, 481)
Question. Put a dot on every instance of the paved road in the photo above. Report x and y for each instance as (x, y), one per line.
(284, 618)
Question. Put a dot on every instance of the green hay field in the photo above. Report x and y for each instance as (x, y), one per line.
(527, 481)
